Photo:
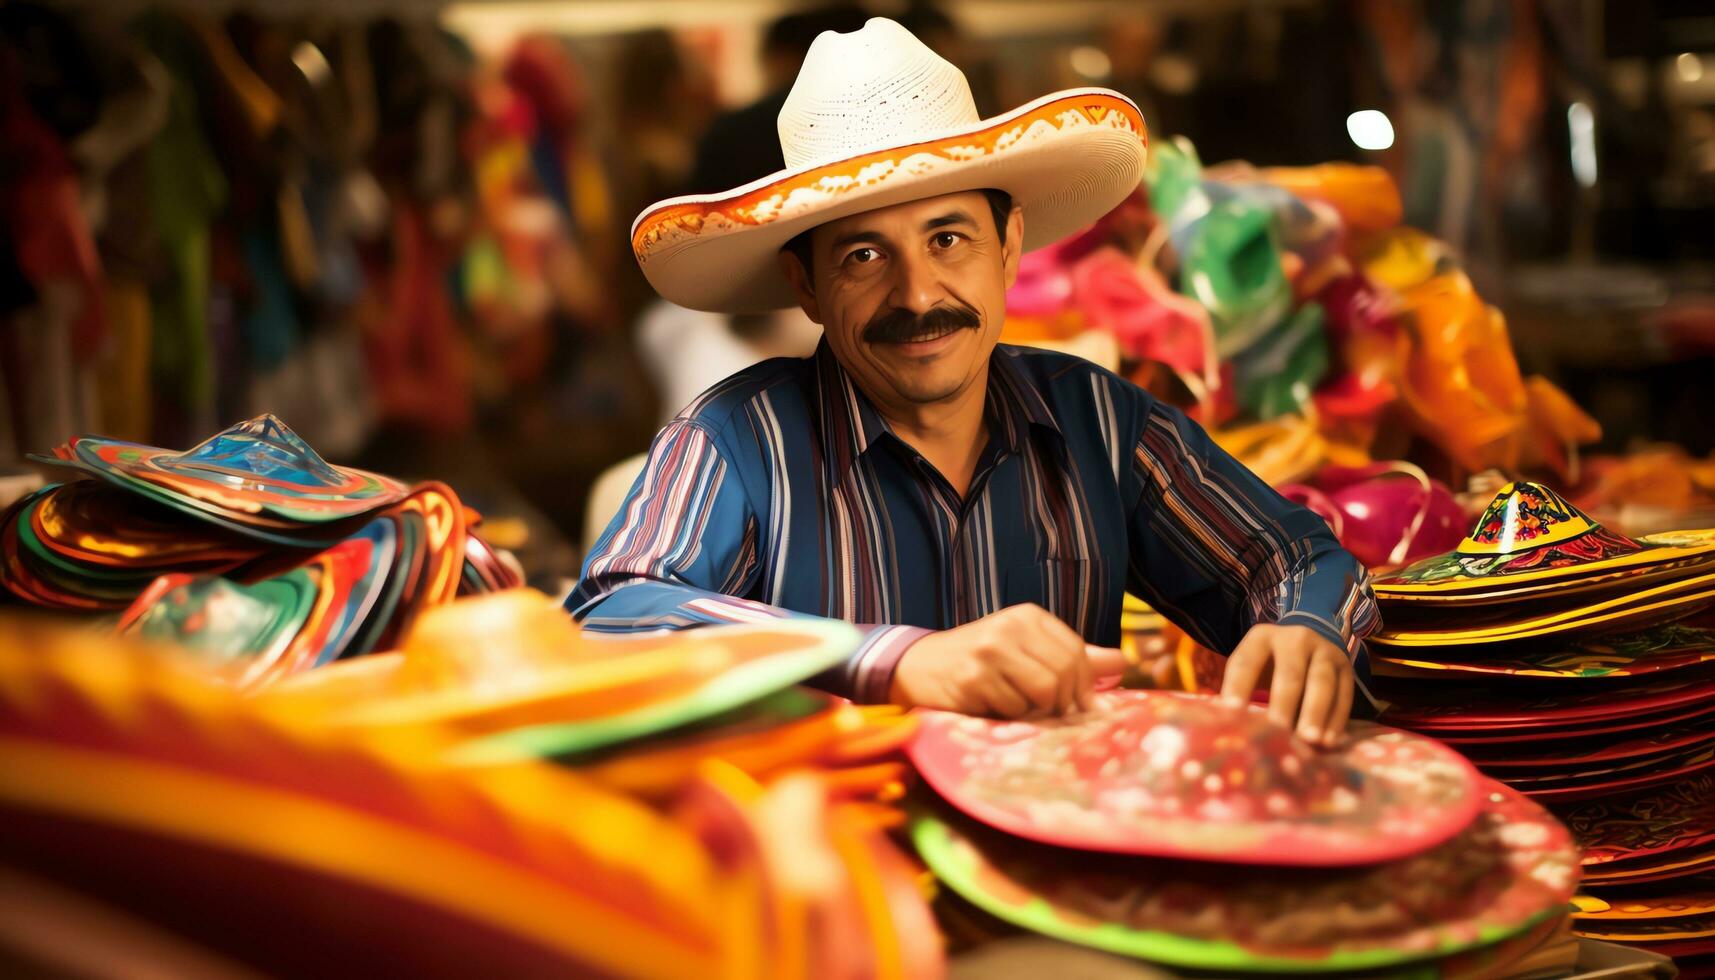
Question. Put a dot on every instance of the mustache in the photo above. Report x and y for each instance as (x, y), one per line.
(899, 325)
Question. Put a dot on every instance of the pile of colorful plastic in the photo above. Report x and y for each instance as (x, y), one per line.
(700, 817)
(1181, 830)
(1289, 311)
(249, 548)
(1577, 665)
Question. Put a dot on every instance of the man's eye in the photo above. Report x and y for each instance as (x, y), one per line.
(863, 255)
(946, 239)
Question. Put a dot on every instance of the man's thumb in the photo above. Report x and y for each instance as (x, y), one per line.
(1104, 661)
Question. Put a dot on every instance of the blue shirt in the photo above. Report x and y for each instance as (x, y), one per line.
(782, 491)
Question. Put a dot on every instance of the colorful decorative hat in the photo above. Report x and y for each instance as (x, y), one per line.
(1513, 867)
(516, 660)
(1186, 776)
(122, 769)
(139, 780)
(876, 119)
(1661, 648)
(1661, 826)
(258, 471)
(1529, 533)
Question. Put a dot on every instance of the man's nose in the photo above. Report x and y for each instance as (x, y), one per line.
(916, 284)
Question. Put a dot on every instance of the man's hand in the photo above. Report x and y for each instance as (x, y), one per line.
(1016, 662)
(1312, 679)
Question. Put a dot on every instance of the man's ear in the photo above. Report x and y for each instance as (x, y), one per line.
(799, 277)
(1014, 247)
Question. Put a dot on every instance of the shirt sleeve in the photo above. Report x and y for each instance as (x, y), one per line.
(1217, 550)
(682, 552)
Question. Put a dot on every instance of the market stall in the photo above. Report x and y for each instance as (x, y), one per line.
(267, 709)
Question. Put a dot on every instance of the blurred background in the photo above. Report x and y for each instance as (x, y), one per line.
(403, 225)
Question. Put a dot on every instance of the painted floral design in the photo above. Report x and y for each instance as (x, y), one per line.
(1157, 773)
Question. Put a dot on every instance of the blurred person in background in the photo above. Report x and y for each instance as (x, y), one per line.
(977, 509)
(685, 350)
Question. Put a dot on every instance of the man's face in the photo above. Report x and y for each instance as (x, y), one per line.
(912, 297)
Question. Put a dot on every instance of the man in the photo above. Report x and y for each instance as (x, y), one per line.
(978, 509)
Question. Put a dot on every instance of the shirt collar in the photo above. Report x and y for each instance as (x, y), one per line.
(851, 425)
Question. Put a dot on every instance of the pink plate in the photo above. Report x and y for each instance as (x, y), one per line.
(1183, 776)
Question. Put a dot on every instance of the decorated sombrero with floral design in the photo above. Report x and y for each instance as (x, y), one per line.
(1514, 866)
(1185, 776)
(877, 119)
(1529, 533)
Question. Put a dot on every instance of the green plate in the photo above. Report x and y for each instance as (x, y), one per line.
(765, 713)
(255, 623)
(747, 682)
(1533, 879)
(409, 532)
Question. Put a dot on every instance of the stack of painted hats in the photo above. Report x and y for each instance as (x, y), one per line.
(249, 548)
(705, 724)
(1182, 830)
(1576, 665)
(516, 679)
(366, 841)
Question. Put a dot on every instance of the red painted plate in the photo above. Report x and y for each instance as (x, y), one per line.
(1643, 827)
(1481, 739)
(1702, 760)
(1647, 747)
(1184, 776)
(1611, 704)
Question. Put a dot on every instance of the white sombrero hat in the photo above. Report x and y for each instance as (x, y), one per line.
(876, 119)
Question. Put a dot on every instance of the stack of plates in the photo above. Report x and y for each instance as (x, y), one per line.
(1577, 666)
(250, 549)
(1195, 834)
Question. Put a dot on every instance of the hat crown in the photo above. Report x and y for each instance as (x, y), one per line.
(1525, 516)
(875, 87)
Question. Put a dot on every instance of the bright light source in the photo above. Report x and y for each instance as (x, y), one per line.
(1690, 67)
(1581, 126)
(1091, 62)
(311, 62)
(1370, 129)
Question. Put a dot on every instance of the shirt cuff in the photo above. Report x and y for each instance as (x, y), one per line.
(870, 669)
(1333, 634)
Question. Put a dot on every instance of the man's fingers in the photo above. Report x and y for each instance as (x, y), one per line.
(1001, 699)
(1288, 689)
(1030, 677)
(1069, 660)
(1321, 684)
(1040, 649)
(1342, 710)
(1245, 666)
(1104, 661)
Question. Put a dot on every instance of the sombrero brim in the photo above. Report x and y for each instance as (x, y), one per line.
(1530, 858)
(1453, 572)
(641, 685)
(1066, 159)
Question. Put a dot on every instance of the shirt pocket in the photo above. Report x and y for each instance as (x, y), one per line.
(1074, 589)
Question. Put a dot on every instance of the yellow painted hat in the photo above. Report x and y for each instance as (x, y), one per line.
(1529, 533)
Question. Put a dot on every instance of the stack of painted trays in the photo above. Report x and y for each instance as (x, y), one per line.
(1195, 834)
(249, 548)
(1577, 666)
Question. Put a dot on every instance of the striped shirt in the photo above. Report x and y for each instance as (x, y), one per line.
(783, 492)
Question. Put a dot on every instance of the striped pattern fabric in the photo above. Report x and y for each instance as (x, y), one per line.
(782, 492)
